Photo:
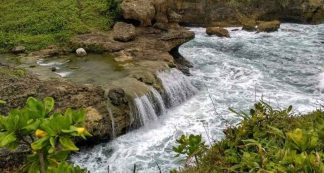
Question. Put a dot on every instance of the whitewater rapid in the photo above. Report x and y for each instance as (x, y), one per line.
(284, 68)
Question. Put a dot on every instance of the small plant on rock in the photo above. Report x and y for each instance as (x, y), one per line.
(48, 134)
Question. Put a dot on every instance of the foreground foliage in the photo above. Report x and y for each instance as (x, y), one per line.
(268, 140)
(37, 24)
(48, 134)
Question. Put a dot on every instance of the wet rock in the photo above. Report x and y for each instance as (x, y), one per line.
(48, 52)
(218, 31)
(80, 52)
(53, 69)
(96, 122)
(117, 96)
(124, 32)
(140, 10)
(18, 49)
(123, 56)
(248, 25)
(270, 26)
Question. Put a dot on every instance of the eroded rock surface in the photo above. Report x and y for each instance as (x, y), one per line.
(218, 31)
(124, 32)
(226, 13)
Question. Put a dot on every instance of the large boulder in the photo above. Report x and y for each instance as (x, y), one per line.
(124, 32)
(140, 10)
(270, 26)
(218, 31)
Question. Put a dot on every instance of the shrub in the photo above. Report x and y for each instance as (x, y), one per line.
(268, 140)
(48, 134)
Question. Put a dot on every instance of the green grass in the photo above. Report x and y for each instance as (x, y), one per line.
(268, 140)
(37, 24)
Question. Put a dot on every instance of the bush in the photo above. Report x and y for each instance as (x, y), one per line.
(268, 140)
(49, 135)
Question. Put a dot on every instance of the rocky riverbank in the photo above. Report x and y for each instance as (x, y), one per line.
(141, 49)
(238, 12)
(145, 45)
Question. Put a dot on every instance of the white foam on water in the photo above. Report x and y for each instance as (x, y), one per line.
(321, 82)
(282, 67)
(144, 110)
(177, 86)
(63, 73)
(160, 106)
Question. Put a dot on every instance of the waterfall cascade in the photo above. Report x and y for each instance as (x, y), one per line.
(177, 86)
(178, 89)
(112, 122)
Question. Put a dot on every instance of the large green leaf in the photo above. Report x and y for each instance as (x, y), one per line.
(67, 144)
(31, 126)
(49, 104)
(40, 143)
(7, 138)
(36, 107)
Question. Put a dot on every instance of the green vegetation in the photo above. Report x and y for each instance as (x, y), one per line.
(48, 134)
(191, 146)
(37, 24)
(268, 140)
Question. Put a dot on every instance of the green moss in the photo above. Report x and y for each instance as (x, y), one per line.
(268, 140)
(37, 24)
(12, 72)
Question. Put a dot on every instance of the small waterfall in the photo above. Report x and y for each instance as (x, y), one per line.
(159, 106)
(177, 86)
(144, 110)
(148, 107)
(112, 123)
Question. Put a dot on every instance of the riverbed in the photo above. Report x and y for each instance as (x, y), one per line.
(282, 68)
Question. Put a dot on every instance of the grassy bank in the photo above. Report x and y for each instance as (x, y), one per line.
(268, 140)
(37, 24)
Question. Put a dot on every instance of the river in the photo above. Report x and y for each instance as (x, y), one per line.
(282, 68)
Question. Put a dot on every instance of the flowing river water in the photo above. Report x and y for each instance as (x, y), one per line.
(282, 68)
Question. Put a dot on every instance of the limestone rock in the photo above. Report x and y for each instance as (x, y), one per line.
(140, 10)
(122, 56)
(173, 16)
(117, 96)
(270, 26)
(18, 49)
(80, 52)
(124, 32)
(218, 31)
(161, 26)
(248, 25)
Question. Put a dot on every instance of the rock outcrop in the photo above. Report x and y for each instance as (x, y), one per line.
(218, 31)
(142, 51)
(268, 26)
(229, 13)
(124, 32)
(140, 10)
